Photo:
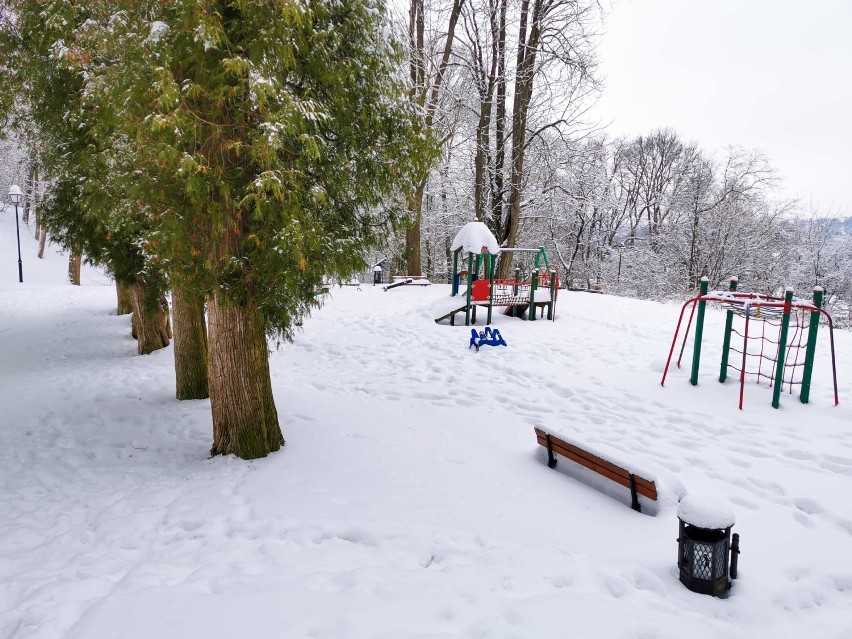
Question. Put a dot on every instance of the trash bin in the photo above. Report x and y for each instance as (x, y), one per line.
(704, 545)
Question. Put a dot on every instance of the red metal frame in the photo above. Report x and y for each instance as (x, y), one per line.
(762, 301)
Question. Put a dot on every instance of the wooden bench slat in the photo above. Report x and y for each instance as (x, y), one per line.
(618, 478)
(587, 459)
(644, 487)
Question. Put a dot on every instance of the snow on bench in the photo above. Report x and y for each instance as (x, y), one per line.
(638, 480)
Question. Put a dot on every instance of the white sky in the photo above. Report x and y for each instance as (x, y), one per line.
(769, 74)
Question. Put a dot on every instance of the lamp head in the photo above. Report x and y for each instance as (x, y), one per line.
(15, 195)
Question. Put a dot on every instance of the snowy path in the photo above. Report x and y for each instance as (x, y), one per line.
(410, 499)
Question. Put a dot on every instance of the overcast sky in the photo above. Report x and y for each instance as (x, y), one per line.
(768, 74)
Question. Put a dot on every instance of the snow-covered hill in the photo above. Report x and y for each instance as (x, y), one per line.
(411, 499)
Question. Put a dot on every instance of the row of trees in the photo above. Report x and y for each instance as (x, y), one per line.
(507, 86)
(233, 153)
(237, 153)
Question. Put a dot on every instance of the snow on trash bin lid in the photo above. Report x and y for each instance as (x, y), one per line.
(705, 512)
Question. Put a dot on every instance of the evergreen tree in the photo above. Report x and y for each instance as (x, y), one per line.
(269, 141)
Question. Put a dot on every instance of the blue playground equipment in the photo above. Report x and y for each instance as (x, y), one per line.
(487, 337)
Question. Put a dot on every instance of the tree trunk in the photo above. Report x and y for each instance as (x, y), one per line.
(500, 130)
(245, 422)
(124, 302)
(428, 97)
(74, 263)
(412, 235)
(42, 241)
(150, 320)
(29, 199)
(524, 79)
(190, 345)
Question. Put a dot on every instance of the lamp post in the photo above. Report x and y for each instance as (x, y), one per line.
(15, 196)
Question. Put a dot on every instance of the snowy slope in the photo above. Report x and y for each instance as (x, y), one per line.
(411, 499)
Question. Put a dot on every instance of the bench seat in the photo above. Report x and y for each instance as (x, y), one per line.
(596, 462)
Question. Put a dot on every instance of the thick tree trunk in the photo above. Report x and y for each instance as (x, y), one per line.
(412, 235)
(124, 303)
(74, 263)
(524, 79)
(190, 336)
(245, 422)
(42, 241)
(150, 320)
(480, 163)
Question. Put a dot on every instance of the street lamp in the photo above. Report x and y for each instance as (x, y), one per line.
(15, 196)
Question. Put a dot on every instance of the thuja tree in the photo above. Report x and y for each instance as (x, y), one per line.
(288, 133)
(82, 208)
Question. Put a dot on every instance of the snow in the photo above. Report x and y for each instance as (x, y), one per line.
(411, 498)
(542, 295)
(473, 237)
(158, 30)
(705, 512)
(562, 430)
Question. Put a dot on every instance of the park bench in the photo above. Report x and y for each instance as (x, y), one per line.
(416, 280)
(556, 445)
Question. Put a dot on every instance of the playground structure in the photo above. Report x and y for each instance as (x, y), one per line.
(517, 296)
(786, 328)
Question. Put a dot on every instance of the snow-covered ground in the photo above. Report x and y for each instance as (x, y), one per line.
(411, 499)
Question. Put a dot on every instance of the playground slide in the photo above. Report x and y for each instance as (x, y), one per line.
(461, 309)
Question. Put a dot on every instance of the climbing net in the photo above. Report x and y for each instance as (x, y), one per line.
(759, 333)
(767, 330)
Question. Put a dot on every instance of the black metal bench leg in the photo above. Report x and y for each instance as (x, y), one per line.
(551, 459)
(634, 497)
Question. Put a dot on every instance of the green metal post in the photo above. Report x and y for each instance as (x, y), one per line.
(699, 333)
(455, 280)
(533, 286)
(726, 344)
(490, 262)
(552, 306)
(469, 287)
(514, 309)
(782, 350)
(811, 347)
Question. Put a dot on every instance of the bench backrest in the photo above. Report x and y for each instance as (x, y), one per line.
(637, 484)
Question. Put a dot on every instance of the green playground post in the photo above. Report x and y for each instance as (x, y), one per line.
(782, 350)
(533, 286)
(699, 333)
(726, 344)
(513, 310)
(455, 289)
(810, 350)
(469, 287)
(489, 261)
(551, 308)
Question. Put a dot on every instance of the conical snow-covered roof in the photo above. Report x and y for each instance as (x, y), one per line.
(474, 237)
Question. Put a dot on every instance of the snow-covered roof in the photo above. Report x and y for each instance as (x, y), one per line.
(705, 512)
(473, 237)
